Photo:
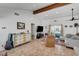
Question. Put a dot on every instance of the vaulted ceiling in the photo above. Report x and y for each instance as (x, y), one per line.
(6, 8)
(62, 11)
(25, 6)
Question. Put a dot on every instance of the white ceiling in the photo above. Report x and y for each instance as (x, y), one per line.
(60, 12)
(25, 6)
(51, 14)
(6, 8)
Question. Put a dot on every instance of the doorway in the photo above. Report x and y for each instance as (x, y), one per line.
(57, 31)
(32, 31)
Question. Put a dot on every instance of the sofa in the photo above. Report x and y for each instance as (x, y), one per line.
(72, 41)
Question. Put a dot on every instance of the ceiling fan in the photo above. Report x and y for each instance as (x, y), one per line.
(72, 19)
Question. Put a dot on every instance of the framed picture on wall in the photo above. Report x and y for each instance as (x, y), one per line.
(71, 26)
(20, 25)
(66, 26)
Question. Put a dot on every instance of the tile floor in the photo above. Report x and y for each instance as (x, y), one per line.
(37, 48)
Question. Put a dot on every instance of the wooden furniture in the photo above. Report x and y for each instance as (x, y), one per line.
(50, 41)
(20, 38)
(49, 7)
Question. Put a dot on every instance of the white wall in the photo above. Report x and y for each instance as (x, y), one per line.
(64, 21)
(9, 20)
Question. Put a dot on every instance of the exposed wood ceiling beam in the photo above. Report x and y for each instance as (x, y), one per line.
(52, 6)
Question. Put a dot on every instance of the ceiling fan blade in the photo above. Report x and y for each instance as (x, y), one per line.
(76, 19)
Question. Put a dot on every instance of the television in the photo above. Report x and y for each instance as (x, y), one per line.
(39, 28)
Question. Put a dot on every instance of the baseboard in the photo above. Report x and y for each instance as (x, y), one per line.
(70, 47)
(22, 44)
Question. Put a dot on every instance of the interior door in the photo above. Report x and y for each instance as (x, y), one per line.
(32, 31)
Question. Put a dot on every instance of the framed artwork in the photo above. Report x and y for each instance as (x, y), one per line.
(71, 26)
(66, 26)
(20, 25)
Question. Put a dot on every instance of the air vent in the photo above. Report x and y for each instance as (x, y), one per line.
(17, 14)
